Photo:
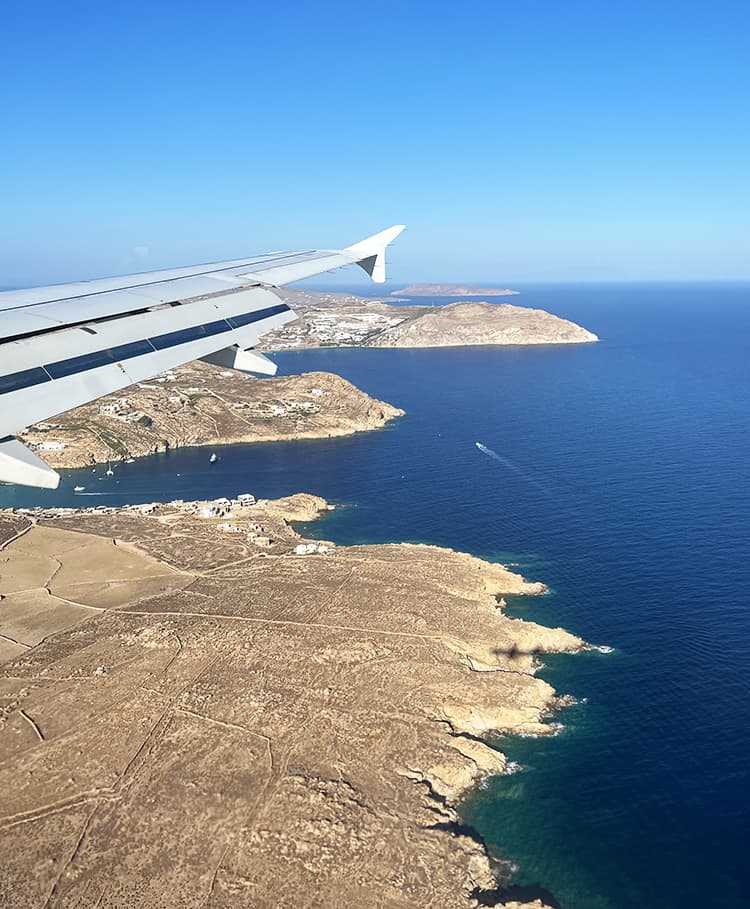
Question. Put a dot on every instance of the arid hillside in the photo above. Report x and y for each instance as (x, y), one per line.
(198, 404)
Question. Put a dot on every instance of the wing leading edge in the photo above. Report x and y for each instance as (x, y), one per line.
(63, 346)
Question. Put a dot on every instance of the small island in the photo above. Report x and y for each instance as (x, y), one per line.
(198, 706)
(452, 290)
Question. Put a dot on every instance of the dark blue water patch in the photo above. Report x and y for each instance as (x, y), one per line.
(624, 485)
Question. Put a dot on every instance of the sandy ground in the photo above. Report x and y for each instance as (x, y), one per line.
(188, 719)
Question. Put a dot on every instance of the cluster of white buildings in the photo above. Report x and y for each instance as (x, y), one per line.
(49, 445)
(351, 329)
(161, 378)
(121, 409)
(46, 444)
(335, 329)
(311, 548)
(282, 409)
(218, 508)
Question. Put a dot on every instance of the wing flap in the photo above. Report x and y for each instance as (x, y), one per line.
(65, 345)
(42, 376)
(21, 466)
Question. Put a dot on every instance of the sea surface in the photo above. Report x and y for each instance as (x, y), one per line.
(623, 482)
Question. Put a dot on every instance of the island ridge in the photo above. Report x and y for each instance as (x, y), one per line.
(345, 320)
(198, 404)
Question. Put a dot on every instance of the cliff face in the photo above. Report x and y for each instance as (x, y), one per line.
(466, 324)
(198, 404)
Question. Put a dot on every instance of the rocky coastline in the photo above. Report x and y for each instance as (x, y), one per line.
(199, 404)
(261, 714)
(467, 324)
(329, 321)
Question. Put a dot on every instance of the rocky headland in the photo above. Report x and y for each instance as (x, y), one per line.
(469, 324)
(199, 404)
(201, 708)
(330, 320)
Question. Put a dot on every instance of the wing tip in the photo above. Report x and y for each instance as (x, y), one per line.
(369, 253)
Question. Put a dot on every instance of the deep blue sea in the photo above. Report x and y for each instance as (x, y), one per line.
(625, 486)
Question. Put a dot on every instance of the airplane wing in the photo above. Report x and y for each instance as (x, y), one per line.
(68, 344)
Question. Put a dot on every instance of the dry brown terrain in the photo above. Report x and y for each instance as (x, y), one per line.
(330, 320)
(198, 404)
(192, 714)
(469, 324)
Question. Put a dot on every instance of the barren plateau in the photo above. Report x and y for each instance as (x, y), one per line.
(199, 708)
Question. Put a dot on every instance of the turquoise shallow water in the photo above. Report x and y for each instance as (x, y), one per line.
(624, 485)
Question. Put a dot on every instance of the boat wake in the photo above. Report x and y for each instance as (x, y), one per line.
(511, 466)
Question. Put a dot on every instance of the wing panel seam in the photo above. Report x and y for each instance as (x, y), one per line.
(198, 274)
(26, 378)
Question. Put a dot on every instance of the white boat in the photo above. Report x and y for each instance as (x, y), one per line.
(110, 472)
(78, 488)
(213, 459)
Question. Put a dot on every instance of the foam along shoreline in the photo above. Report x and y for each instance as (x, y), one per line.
(291, 708)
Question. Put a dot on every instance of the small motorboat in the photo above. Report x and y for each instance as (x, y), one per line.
(78, 488)
(214, 458)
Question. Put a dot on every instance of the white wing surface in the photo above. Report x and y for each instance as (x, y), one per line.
(68, 344)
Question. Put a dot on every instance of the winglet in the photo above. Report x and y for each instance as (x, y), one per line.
(19, 465)
(370, 253)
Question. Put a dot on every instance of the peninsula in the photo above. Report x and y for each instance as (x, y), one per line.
(199, 706)
(198, 404)
(452, 290)
(471, 324)
(336, 320)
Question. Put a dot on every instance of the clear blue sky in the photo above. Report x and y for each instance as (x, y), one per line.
(525, 140)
